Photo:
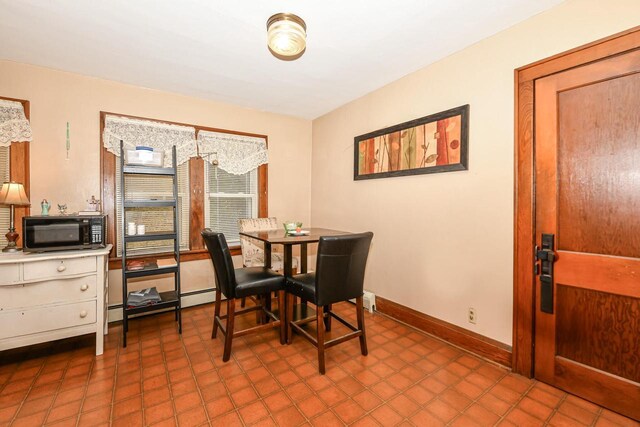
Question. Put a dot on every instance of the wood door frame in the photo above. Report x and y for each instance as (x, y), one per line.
(524, 188)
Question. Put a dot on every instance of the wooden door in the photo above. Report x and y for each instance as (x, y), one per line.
(587, 194)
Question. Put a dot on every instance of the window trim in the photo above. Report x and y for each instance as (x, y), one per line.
(19, 168)
(197, 250)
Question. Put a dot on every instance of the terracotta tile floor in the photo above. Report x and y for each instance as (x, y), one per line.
(408, 379)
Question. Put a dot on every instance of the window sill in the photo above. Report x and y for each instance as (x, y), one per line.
(193, 255)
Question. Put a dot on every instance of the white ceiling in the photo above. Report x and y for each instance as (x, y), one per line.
(216, 49)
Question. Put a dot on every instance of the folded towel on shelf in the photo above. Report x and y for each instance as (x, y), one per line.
(143, 297)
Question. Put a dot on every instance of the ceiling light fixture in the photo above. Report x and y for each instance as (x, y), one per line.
(286, 36)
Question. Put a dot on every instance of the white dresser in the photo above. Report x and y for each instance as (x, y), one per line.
(53, 295)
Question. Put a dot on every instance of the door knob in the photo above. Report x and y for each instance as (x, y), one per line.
(83, 313)
(61, 268)
(84, 287)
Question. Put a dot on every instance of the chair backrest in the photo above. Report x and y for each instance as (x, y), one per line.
(222, 261)
(340, 267)
(250, 246)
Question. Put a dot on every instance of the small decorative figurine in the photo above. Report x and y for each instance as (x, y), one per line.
(93, 205)
(45, 207)
(62, 209)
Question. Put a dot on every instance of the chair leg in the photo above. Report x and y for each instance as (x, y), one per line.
(259, 315)
(231, 308)
(267, 305)
(327, 319)
(243, 301)
(289, 317)
(320, 338)
(283, 317)
(216, 313)
(360, 316)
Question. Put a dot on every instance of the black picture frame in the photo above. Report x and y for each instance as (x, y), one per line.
(463, 164)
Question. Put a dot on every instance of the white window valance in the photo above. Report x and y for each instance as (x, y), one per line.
(236, 154)
(14, 126)
(147, 133)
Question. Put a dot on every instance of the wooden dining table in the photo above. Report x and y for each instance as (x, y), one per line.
(281, 237)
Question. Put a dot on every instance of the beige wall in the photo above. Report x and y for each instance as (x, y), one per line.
(57, 97)
(444, 242)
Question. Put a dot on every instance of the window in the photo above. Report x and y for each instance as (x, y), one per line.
(208, 196)
(229, 198)
(154, 219)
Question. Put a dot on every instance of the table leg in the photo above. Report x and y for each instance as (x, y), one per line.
(267, 304)
(287, 266)
(267, 254)
(260, 316)
(303, 258)
(288, 260)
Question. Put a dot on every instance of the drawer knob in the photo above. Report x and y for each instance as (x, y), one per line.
(83, 313)
(84, 287)
(61, 268)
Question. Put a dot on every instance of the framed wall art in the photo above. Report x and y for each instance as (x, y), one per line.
(435, 143)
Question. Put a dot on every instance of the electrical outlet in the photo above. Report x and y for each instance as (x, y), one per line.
(473, 317)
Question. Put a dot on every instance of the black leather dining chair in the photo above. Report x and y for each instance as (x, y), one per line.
(339, 276)
(239, 283)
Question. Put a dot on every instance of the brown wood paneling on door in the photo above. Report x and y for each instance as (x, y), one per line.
(587, 165)
(524, 185)
(585, 320)
(599, 155)
(614, 275)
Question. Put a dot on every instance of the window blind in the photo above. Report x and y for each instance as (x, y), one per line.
(4, 210)
(154, 219)
(230, 198)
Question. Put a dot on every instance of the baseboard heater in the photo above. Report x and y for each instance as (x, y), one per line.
(368, 301)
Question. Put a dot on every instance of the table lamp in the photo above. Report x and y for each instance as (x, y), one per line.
(12, 194)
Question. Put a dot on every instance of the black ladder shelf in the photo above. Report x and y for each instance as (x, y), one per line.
(169, 299)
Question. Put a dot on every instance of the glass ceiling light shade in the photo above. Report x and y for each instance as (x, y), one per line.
(286, 36)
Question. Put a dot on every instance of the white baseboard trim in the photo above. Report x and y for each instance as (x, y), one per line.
(188, 300)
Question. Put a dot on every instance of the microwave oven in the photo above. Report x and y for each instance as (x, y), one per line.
(63, 233)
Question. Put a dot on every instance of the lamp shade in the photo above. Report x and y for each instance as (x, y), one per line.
(286, 36)
(12, 193)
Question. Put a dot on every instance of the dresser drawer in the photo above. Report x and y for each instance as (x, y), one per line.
(52, 291)
(58, 268)
(9, 273)
(22, 322)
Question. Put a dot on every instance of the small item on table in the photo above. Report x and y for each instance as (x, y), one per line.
(45, 207)
(292, 226)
